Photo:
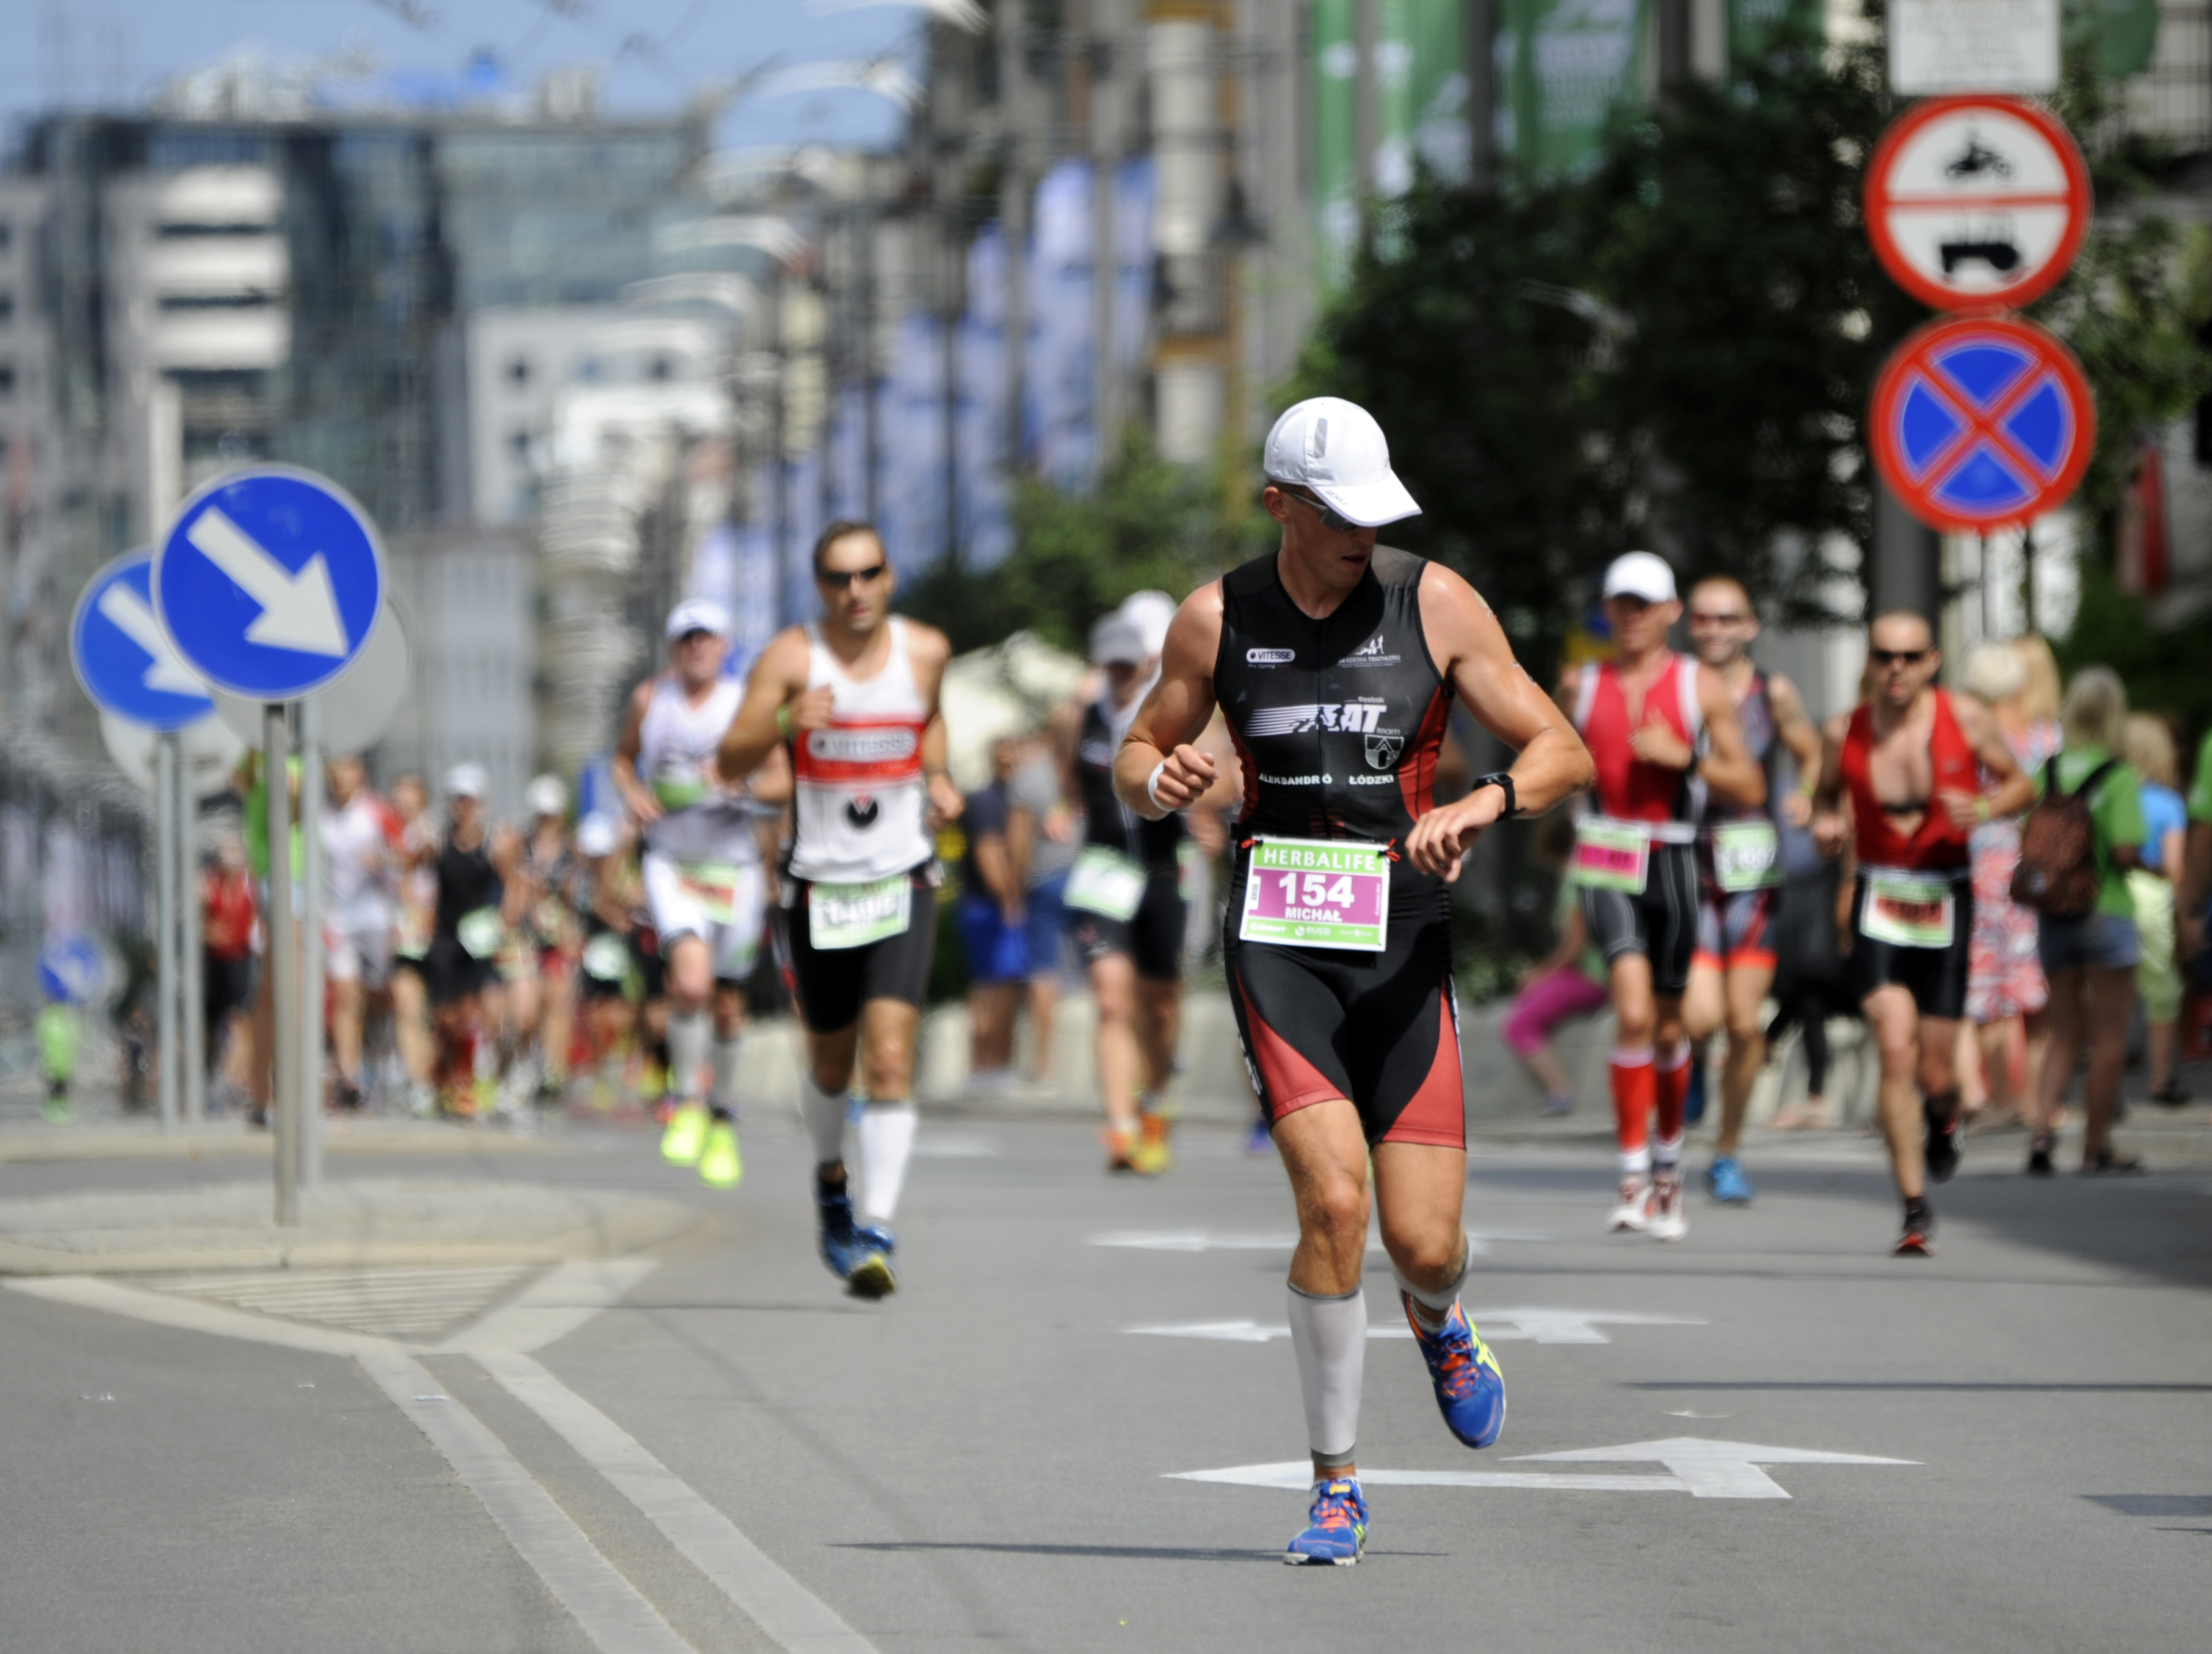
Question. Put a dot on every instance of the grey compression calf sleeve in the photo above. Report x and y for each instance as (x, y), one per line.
(1330, 1337)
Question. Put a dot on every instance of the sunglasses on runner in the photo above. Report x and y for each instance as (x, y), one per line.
(1897, 657)
(1706, 617)
(1331, 518)
(841, 580)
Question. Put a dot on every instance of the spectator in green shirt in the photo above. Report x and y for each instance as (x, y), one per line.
(2090, 961)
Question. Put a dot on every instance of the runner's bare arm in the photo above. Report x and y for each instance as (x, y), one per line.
(1801, 736)
(1227, 790)
(771, 783)
(1829, 827)
(1471, 652)
(624, 765)
(1568, 691)
(1161, 735)
(778, 679)
(2013, 791)
(1728, 767)
(944, 798)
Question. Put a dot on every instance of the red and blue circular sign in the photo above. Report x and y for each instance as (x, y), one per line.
(1981, 424)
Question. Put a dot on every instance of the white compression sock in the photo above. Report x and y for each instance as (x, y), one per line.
(825, 1120)
(886, 1141)
(725, 1055)
(688, 1032)
(1438, 1303)
(1330, 1337)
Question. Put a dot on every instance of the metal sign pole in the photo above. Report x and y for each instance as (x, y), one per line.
(193, 977)
(284, 960)
(165, 920)
(311, 944)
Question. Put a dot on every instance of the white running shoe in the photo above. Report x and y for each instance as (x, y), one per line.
(1669, 1219)
(1633, 1209)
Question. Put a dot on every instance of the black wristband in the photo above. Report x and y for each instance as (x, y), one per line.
(1498, 778)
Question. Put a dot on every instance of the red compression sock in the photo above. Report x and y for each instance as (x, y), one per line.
(1674, 1082)
(1635, 1089)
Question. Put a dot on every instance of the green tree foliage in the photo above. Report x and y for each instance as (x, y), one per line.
(1148, 525)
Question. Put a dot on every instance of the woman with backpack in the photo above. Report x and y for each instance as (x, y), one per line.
(2077, 848)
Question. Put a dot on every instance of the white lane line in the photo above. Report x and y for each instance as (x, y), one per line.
(1197, 1240)
(1298, 1476)
(551, 1307)
(192, 1315)
(1497, 1326)
(797, 1619)
(617, 1619)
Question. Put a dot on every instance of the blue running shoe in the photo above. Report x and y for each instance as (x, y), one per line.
(1725, 1182)
(878, 1235)
(857, 1262)
(1470, 1389)
(1336, 1527)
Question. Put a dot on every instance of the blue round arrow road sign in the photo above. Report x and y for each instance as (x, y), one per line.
(125, 662)
(1982, 424)
(268, 581)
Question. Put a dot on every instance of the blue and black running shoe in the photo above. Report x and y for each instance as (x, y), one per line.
(878, 1235)
(857, 1262)
(1336, 1527)
(1470, 1389)
(1725, 1182)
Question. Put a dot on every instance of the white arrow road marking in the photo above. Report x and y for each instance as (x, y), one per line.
(298, 612)
(1710, 1469)
(1704, 1469)
(1197, 1240)
(1497, 1326)
(127, 612)
(1298, 1476)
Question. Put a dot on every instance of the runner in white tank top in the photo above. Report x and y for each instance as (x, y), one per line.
(856, 698)
(703, 876)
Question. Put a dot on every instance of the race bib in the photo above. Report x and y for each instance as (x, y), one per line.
(1610, 855)
(1310, 892)
(1105, 882)
(714, 886)
(549, 919)
(412, 933)
(606, 957)
(678, 786)
(1907, 909)
(481, 932)
(1746, 855)
(853, 916)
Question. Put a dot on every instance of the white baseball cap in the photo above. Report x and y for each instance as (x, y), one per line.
(1117, 638)
(1335, 449)
(1639, 573)
(698, 615)
(1153, 612)
(548, 795)
(596, 835)
(467, 780)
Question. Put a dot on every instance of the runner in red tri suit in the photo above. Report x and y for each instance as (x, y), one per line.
(1910, 762)
(1657, 724)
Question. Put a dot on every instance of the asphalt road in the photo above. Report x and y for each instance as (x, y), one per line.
(991, 1458)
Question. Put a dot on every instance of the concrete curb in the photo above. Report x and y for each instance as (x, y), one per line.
(365, 1225)
(39, 1145)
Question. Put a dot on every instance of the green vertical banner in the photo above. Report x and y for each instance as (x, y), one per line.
(1562, 66)
(1420, 111)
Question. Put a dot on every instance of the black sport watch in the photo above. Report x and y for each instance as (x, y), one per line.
(1498, 778)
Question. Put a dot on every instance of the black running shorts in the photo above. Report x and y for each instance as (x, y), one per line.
(1380, 1029)
(452, 973)
(1660, 923)
(830, 985)
(1152, 936)
(1935, 976)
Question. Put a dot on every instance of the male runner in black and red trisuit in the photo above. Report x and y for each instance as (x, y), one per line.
(1335, 662)
(1663, 730)
(1913, 762)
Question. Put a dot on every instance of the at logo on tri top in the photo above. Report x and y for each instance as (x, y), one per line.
(861, 810)
(1382, 749)
(1369, 653)
(1270, 656)
(1349, 717)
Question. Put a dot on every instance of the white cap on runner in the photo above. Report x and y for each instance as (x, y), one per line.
(697, 615)
(467, 780)
(596, 835)
(1117, 638)
(1335, 449)
(1153, 612)
(1639, 573)
(548, 795)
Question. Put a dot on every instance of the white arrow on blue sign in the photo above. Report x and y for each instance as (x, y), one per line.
(268, 581)
(125, 663)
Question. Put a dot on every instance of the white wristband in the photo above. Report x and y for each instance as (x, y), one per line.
(1151, 786)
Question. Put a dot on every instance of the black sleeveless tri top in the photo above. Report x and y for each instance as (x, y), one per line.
(1338, 721)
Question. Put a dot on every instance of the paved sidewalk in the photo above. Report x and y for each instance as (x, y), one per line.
(350, 1224)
